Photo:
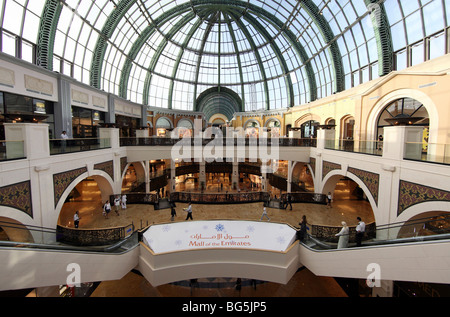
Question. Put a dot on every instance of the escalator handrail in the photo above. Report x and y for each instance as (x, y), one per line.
(378, 243)
(70, 248)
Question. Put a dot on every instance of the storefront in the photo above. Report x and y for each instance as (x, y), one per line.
(17, 108)
(85, 122)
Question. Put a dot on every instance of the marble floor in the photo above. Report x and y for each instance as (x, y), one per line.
(89, 205)
(303, 284)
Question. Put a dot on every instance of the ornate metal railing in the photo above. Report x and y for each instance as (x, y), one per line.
(163, 141)
(92, 237)
(228, 198)
(328, 233)
(305, 197)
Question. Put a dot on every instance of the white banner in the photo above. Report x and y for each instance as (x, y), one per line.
(192, 235)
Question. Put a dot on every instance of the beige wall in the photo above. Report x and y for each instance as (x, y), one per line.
(428, 82)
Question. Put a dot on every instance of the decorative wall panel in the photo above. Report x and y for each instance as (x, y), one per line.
(371, 180)
(107, 167)
(17, 196)
(62, 180)
(328, 167)
(411, 194)
(123, 164)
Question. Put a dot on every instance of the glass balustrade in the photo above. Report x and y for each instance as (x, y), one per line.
(360, 146)
(11, 150)
(427, 152)
(62, 146)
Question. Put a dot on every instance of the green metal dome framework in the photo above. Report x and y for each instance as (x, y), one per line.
(272, 54)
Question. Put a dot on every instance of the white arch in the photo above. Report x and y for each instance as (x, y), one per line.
(270, 120)
(163, 119)
(423, 207)
(189, 121)
(258, 125)
(106, 192)
(333, 177)
(418, 95)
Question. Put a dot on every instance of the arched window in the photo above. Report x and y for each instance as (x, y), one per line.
(404, 111)
(309, 129)
(185, 123)
(163, 122)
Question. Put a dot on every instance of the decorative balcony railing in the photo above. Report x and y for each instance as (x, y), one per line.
(163, 141)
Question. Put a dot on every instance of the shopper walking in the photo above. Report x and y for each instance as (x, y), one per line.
(189, 212)
(264, 214)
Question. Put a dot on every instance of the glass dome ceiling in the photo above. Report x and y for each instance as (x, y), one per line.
(272, 54)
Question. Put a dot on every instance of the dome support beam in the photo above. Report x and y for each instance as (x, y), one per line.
(333, 47)
(182, 22)
(258, 58)
(46, 35)
(194, 28)
(276, 49)
(199, 60)
(383, 36)
(119, 12)
(102, 42)
(238, 57)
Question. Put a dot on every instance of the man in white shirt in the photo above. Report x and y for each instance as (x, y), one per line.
(360, 229)
(64, 137)
(264, 214)
(189, 212)
(117, 204)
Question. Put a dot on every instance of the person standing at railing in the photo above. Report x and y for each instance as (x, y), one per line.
(64, 138)
(302, 233)
(76, 219)
(380, 142)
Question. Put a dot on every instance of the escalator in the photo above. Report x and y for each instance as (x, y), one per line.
(395, 254)
(48, 262)
(399, 252)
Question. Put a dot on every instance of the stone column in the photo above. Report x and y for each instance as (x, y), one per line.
(28, 140)
(402, 141)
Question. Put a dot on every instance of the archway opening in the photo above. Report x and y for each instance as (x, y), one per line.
(87, 197)
(426, 224)
(301, 175)
(13, 230)
(349, 200)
